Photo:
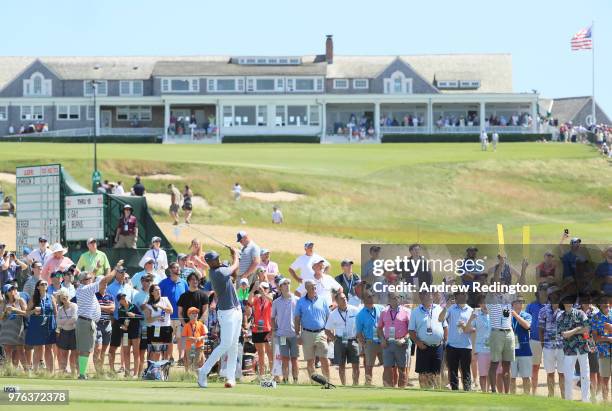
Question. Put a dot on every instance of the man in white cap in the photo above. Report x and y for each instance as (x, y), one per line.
(350, 283)
(229, 314)
(325, 284)
(93, 261)
(303, 263)
(126, 234)
(88, 313)
(57, 262)
(159, 257)
(249, 256)
(148, 270)
(267, 267)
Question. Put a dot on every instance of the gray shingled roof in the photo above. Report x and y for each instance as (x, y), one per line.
(493, 70)
(568, 108)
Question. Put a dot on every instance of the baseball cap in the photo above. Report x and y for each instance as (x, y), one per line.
(553, 289)
(264, 284)
(308, 244)
(211, 255)
(121, 270)
(127, 207)
(346, 261)
(471, 248)
(57, 274)
(575, 240)
(264, 251)
(284, 281)
(8, 287)
(240, 235)
(42, 239)
(149, 260)
(156, 239)
(193, 310)
(181, 256)
(91, 240)
(548, 253)
(2, 245)
(244, 281)
(375, 248)
(26, 250)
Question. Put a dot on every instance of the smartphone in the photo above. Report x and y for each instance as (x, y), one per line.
(566, 231)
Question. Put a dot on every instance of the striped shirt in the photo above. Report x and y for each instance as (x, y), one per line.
(247, 255)
(497, 319)
(88, 305)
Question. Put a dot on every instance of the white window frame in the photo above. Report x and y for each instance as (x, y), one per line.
(3, 113)
(254, 80)
(87, 113)
(88, 93)
(45, 86)
(31, 107)
(239, 84)
(139, 110)
(448, 84)
(314, 108)
(317, 84)
(194, 84)
(337, 82)
(69, 112)
(406, 84)
(367, 84)
(131, 87)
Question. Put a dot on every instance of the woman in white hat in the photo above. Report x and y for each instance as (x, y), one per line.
(159, 257)
(66, 338)
(57, 261)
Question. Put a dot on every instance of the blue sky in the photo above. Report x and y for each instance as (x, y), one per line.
(536, 32)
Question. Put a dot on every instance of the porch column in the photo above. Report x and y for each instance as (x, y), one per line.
(97, 118)
(166, 119)
(534, 115)
(482, 116)
(218, 121)
(377, 119)
(429, 117)
(323, 121)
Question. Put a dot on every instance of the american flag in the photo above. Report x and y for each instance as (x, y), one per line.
(582, 40)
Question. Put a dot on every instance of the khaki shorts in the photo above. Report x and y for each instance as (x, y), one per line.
(85, 335)
(126, 241)
(502, 345)
(372, 351)
(536, 351)
(314, 344)
(605, 367)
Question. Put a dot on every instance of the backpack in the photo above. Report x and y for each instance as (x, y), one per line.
(157, 370)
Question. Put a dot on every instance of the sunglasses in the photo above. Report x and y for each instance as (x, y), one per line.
(146, 281)
(42, 284)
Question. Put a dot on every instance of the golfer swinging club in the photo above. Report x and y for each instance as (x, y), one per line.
(229, 315)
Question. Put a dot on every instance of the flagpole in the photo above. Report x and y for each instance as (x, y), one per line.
(593, 77)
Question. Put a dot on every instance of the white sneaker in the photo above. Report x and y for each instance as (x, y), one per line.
(202, 378)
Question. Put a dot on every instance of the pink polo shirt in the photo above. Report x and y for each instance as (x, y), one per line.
(52, 265)
(395, 318)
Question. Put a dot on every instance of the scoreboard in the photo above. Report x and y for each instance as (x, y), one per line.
(84, 217)
(38, 205)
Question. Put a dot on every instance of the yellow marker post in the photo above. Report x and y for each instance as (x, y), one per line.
(500, 239)
(526, 241)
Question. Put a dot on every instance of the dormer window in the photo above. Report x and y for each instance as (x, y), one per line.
(397, 83)
(37, 86)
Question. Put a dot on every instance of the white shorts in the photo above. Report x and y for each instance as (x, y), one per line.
(536, 351)
(553, 360)
(521, 367)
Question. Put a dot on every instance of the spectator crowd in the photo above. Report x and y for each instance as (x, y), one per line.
(73, 318)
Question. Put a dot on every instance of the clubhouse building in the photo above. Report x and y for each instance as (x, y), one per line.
(206, 98)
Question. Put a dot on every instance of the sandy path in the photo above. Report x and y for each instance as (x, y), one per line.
(273, 239)
(278, 196)
(162, 177)
(162, 200)
(8, 178)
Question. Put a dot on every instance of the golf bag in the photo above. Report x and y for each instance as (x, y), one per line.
(157, 370)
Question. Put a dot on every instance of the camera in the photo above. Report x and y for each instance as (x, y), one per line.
(506, 312)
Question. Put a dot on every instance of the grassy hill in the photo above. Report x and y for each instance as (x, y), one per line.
(393, 192)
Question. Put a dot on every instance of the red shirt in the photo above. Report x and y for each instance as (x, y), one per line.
(131, 224)
(544, 271)
(262, 311)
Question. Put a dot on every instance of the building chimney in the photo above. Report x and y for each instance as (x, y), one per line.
(329, 49)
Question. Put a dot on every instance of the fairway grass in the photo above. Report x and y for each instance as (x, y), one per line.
(183, 396)
(429, 193)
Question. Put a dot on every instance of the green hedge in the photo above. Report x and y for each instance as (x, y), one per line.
(271, 139)
(459, 138)
(84, 139)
